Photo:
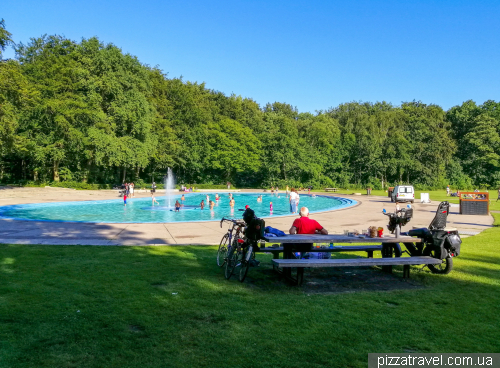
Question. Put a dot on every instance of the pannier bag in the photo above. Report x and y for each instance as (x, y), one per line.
(453, 243)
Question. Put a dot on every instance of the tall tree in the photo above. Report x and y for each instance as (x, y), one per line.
(5, 38)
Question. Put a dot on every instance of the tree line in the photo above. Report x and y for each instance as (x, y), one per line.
(87, 112)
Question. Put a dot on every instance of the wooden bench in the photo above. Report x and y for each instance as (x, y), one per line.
(369, 249)
(300, 264)
(331, 189)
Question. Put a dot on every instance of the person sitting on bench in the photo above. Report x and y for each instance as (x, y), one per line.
(304, 225)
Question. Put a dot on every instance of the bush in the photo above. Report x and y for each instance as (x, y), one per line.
(67, 184)
(204, 186)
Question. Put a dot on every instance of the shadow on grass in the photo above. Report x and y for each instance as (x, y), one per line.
(171, 306)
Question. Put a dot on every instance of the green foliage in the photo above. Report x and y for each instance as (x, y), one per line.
(86, 112)
(5, 37)
(67, 184)
(205, 186)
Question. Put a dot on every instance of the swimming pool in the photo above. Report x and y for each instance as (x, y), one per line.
(140, 210)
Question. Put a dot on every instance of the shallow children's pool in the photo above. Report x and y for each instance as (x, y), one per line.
(140, 210)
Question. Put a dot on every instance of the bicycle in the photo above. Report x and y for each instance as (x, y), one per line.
(227, 240)
(242, 255)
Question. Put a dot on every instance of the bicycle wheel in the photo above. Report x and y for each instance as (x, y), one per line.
(222, 251)
(231, 262)
(245, 263)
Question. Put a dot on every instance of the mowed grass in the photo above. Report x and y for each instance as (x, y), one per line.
(79, 306)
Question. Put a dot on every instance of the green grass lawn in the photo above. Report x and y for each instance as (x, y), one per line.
(84, 306)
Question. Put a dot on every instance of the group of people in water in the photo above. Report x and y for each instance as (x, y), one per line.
(291, 194)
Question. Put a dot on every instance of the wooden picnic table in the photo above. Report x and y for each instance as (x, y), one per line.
(331, 189)
(389, 246)
(336, 238)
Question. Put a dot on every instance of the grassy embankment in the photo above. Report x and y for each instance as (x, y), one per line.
(78, 306)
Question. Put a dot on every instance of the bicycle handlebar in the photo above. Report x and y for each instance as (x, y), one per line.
(235, 222)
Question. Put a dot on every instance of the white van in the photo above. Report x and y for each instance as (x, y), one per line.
(403, 193)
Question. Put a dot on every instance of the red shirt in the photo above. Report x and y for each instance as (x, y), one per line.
(305, 225)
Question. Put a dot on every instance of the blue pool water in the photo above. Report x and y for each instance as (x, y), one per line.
(139, 210)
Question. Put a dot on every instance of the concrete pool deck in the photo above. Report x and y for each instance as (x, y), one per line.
(367, 213)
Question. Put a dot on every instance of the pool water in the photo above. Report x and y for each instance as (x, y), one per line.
(140, 210)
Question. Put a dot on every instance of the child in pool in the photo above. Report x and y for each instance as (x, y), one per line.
(202, 204)
(177, 206)
(271, 206)
(153, 199)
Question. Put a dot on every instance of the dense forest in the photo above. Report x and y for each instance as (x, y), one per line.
(87, 112)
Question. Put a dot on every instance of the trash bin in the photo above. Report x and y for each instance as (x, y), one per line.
(474, 203)
(389, 191)
(368, 191)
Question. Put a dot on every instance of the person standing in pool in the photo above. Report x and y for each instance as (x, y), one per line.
(211, 204)
(125, 199)
(153, 199)
(217, 196)
(202, 204)
(182, 198)
(177, 206)
(231, 204)
(293, 201)
(271, 207)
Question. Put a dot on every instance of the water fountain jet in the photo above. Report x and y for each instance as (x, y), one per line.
(169, 187)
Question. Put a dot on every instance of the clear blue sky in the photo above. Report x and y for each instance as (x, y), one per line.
(311, 54)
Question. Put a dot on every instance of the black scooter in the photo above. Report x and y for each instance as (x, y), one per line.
(438, 241)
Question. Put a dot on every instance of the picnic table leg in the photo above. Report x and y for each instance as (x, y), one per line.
(276, 255)
(300, 276)
(287, 254)
(406, 271)
(387, 253)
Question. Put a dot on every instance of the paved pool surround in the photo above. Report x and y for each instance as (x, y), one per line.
(367, 212)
